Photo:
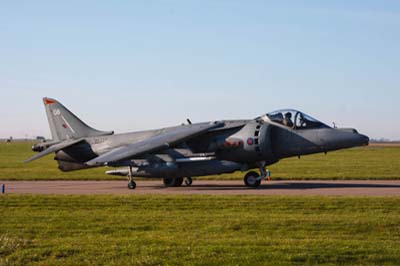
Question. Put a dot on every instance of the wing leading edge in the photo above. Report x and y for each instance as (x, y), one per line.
(152, 144)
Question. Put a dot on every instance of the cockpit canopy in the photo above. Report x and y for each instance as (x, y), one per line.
(294, 119)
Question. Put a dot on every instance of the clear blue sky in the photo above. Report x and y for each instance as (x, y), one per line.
(131, 65)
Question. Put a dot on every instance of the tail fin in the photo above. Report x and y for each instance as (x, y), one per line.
(65, 125)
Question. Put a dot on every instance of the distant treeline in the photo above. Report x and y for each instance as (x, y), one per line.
(384, 141)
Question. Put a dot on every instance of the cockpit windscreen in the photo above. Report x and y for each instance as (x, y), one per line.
(295, 119)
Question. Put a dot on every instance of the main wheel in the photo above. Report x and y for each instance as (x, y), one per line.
(188, 181)
(178, 181)
(173, 181)
(250, 180)
(168, 181)
(132, 185)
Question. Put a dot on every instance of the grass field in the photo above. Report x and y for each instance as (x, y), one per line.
(360, 163)
(198, 230)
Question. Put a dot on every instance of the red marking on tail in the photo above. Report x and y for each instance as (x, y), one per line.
(48, 101)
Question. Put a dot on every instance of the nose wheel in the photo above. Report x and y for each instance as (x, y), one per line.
(253, 179)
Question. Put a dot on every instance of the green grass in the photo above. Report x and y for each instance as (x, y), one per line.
(358, 163)
(198, 230)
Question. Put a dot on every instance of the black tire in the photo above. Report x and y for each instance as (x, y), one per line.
(178, 181)
(173, 181)
(132, 185)
(168, 181)
(188, 181)
(250, 179)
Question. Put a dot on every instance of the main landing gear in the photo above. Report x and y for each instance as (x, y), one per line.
(177, 181)
(168, 181)
(253, 179)
(188, 181)
(131, 184)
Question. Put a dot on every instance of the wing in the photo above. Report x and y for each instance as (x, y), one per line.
(155, 143)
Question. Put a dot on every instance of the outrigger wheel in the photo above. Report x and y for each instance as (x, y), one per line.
(251, 179)
(173, 181)
(132, 185)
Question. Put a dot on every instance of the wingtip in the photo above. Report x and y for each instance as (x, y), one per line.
(28, 160)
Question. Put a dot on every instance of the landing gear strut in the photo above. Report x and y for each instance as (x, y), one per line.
(131, 184)
(253, 179)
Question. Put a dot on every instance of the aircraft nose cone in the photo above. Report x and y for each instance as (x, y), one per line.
(354, 138)
(347, 138)
(364, 139)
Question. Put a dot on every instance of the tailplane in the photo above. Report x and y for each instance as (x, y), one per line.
(64, 125)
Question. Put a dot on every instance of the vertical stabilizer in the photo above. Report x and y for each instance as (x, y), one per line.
(65, 125)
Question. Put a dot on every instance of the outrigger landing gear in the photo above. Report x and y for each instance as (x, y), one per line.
(253, 179)
(131, 184)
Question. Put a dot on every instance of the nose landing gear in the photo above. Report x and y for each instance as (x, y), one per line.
(253, 179)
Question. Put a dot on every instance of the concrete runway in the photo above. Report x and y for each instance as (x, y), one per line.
(324, 188)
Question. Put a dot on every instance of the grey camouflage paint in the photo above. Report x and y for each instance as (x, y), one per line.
(186, 150)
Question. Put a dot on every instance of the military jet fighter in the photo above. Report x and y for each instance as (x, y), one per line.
(176, 154)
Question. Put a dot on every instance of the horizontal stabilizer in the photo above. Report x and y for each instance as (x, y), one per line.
(54, 148)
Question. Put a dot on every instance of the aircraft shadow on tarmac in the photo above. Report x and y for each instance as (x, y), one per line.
(289, 186)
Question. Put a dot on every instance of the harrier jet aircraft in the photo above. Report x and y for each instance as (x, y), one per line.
(176, 154)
